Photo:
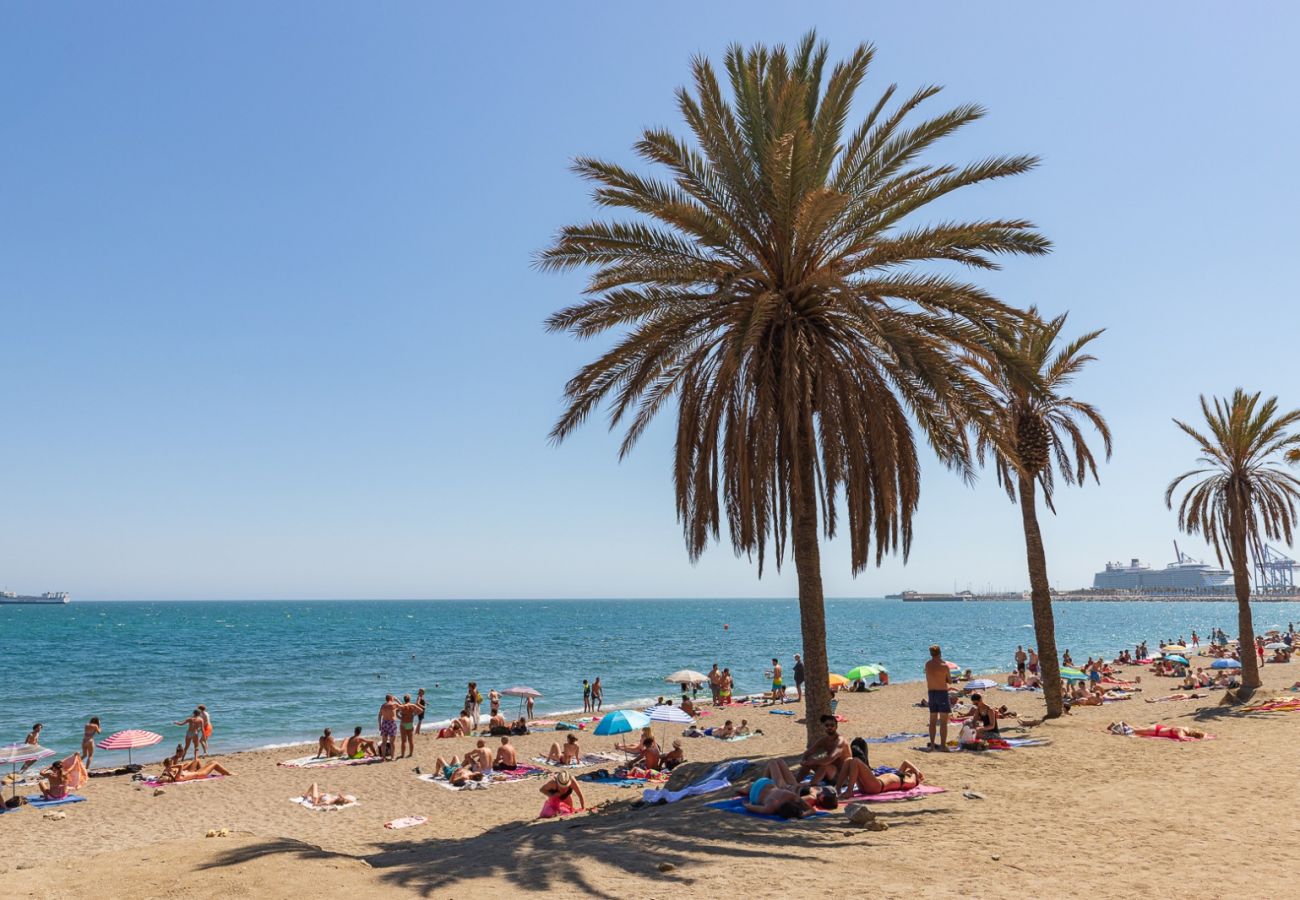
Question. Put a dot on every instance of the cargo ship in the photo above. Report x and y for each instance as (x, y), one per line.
(10, 598)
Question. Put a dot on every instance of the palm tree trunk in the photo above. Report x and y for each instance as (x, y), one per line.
(807, 563)
(1041, 600)
(1250, 679)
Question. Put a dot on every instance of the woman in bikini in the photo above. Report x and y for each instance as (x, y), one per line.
(567, 755)
(1174, 732)
(559, 792)
(177, 773)
(856, 775)
(777, 793)
(88, 741)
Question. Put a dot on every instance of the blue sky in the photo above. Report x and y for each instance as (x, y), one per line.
(272, 330)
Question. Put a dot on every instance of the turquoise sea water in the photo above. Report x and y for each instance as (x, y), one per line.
(274, 672)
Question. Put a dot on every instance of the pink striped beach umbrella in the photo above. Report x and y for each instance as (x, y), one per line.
(129, 740)
(13, 754)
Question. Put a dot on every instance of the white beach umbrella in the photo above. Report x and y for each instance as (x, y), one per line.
(13, 754)
(668, 713)
(686, 676)
(980, 684)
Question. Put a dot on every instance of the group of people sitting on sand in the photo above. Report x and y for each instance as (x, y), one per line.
(478, 764)
(831, 769)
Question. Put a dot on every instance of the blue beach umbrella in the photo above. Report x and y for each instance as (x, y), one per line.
(1225, 664)
(1174, 657)
(621, 721)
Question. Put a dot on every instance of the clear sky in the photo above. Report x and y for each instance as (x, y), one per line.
(271, 327)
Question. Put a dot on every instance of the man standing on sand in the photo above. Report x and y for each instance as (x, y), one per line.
(423, 704)
(388, 726)
(1021, 659)
(798, 678)
(597, 695)
(207, 728)
(778, 686)
(936, 683)
(1033, 662)
(406, 714)
(715, 684)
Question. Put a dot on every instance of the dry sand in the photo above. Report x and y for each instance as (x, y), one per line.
(1092, 814)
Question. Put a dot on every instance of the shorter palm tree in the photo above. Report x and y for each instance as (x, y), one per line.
(1241, 494)
(1033, 425)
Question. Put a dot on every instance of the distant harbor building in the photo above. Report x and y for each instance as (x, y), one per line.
(1186, 574)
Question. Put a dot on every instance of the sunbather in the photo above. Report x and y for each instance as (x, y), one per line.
(457, 772)
(1175, 732)
(54, 782)
(560, 791)
(357, 747)
(726, 731)
(327, 747)
(649, 756)
(673, 757)
(566, 755)
(824, 756)
(506, 759)
(1192, 696)
(317, 797)
(778, 792)
(176, 773)
(857, 775)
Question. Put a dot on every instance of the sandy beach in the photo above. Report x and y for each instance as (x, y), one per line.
(1091, 813)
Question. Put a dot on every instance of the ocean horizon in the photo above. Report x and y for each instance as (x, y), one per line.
(276, 672)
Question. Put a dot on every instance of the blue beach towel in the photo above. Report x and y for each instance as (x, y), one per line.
(780, 712)
(36, 802)
(734, 805)
(611, 781)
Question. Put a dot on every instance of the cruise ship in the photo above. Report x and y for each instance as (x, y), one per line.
(9, 597)
(1186, 574)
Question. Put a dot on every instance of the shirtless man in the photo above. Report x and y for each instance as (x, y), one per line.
(1033, 662)
(480, 758)
(1021, 659)
(726, 731)
(825, 755)
(936, 683)
(715, 684)
(357, 747)
(193, 730)
(388, 726)
(506, 759)
(494, 702)
(406, 714)
(423, 704)
(327, 747)
(88, 741)
(778, 686)
(462, 724)
(649, 757)
(597, 695)
(206, 731)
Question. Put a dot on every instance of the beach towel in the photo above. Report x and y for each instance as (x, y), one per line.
(312, 762)
(896, 737)
(611, 781)
(519, 774)
(1170, 737)
(735, 805)
(155, 782)
(662, 795)
(889, 796)
(585, 761)
(733, 738)
(406, 822)
(36, 802)
(75, 770)
(780, 712)
(307, 804)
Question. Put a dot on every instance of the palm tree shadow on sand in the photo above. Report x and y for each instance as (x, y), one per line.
(667, 843)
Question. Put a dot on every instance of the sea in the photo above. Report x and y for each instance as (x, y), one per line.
(275, 673)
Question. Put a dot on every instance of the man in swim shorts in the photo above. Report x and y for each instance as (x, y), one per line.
(388, 726)
(406, 714)
(1021, 659)
(778, 686)
(936, 683)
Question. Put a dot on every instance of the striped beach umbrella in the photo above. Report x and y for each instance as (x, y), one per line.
(129, 740)
(13, 754)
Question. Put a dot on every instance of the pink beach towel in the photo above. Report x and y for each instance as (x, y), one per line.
(910, 794)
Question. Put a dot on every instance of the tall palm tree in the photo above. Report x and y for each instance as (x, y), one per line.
(770, 286)
(1033, 436)
(1241, 494)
